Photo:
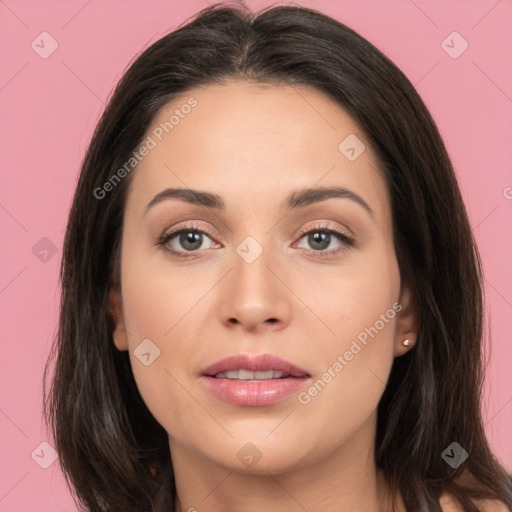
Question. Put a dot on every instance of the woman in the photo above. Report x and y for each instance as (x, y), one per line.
(209, 355)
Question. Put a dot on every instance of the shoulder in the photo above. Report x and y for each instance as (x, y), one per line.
(450, 504)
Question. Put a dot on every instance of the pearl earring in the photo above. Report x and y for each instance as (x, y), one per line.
(406, 342)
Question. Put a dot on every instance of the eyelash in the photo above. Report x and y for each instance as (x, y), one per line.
(323, 228)
(342, 236)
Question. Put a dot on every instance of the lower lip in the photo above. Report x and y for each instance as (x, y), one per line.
(254, 393)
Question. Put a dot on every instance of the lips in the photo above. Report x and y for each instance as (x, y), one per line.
(254, 381)
(250, 368)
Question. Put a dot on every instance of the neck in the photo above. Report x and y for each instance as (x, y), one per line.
(345, 479)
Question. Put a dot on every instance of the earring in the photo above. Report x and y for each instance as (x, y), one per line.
(406, 342)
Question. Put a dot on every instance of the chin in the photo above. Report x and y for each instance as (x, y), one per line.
(261, 457)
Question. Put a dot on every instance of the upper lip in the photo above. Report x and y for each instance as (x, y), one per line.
(259, 363)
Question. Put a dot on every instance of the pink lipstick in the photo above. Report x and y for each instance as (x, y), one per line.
(254, 381)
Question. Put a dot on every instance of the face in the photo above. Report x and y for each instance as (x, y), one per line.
(310, 279)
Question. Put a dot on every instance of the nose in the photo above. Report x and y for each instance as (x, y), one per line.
(255, 294)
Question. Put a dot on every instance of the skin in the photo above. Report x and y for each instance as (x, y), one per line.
(253, 144)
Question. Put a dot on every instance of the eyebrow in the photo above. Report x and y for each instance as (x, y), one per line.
(297, 199)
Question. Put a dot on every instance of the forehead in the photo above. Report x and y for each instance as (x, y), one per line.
(243, 140)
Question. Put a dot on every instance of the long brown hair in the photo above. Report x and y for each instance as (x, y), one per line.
(113, 452)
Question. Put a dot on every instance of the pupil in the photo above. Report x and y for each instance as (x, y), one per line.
(192, 237)
(322, 238)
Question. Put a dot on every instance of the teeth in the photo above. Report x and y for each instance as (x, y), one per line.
(248, 375)
(265, 375)
(245, 375)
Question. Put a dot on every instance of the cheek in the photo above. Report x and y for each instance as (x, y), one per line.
(358, 308)
(155, 310)
(350, 298)
(345, 392)
(160, 301)
(159, 368)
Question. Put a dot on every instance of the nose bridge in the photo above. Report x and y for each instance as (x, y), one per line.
(256, 249)
(253, 256)
(254, 293)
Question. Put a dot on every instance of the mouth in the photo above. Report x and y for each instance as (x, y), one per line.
(249, 375)
(246, 367)
(254, 381)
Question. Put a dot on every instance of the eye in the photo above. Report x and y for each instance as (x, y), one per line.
(190, 238)
(321, 237)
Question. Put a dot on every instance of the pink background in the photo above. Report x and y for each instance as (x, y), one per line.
(50, 107)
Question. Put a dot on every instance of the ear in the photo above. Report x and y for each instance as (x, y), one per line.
(115, 310)
(408, 320)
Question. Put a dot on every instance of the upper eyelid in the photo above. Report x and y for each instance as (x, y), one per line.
(193, 226)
